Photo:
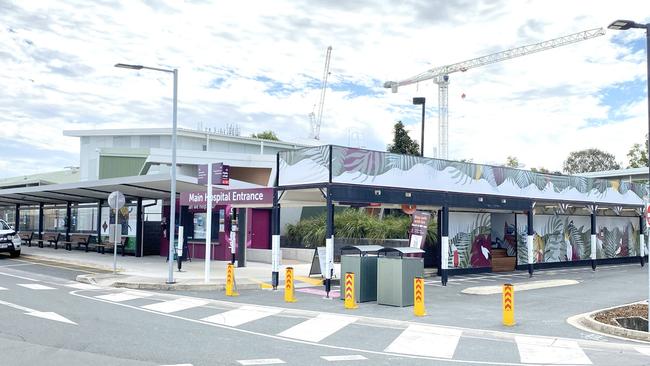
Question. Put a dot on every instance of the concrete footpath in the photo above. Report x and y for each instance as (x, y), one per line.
(151, 272)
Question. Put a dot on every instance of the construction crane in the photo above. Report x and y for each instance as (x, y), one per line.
(440, 75)
(316, 116)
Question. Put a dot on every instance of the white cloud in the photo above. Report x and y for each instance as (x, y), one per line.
(57, 70)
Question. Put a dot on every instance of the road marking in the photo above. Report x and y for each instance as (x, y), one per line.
(520, 286)
(35, 286)
(173, 306)
(245, 314)
(550, 351)
(318, 328)
(2, 288)
(39, 314)
(83, 286)
(261, 361)
(124, 296)
(643, 350)
(21, 277)
(423, 340)
(344, 358)
(180, 364)
(309, 280)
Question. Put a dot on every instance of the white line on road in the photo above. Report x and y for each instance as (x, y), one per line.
(124, 296)
(344, 358)
(180, 364)
(39, 314)
(550, 351)
(82, 286)
(424, 340)
(35, 286)
(2, 288)
(173, 306)
(261, 361)
(21, 277)
(245, 314)
(318, 328)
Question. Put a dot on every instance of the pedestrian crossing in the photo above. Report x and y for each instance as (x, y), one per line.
(407, 339)
(411, 340)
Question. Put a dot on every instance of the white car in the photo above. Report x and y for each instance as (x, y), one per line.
(9, 240)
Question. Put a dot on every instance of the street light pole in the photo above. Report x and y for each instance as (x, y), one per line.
(172, 212)
(625, 25)
(422, 101)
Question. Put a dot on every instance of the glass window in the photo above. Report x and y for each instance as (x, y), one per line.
(199, 225)
(54, 219)
(28, 219)
(84, 219)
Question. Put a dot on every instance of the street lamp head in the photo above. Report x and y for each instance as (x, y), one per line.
(419, 100)
(127, 66)
(391, 85)
(624, 25)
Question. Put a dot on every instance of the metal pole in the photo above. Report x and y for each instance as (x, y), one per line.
(115, 237)
(647, 58)
(422, 135)
(208, 226)
(172, 210)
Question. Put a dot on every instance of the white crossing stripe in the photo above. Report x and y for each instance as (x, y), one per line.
(344, 358)
(550, 351)
(261, 361)
(35, 286)
(124, 296)
(424, 340)
(2, 288)
(643, 350)
(180, 364)
(318, 328)
(175, 305)
(82, 286)
(245, 314)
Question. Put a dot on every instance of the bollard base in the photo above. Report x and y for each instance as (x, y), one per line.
(593, 265)
(530, 270)
(642, 261)
(275, 279)
(444, 277)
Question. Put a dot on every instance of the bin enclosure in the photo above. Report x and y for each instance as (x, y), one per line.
(395, 274)
(362, 261)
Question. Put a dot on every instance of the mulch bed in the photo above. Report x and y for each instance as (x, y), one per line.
(609, 316)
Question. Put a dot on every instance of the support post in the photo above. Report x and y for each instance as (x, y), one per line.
(329, 245)
(444, 244)
(208, 228)
(641, 241)
(99, 222)
(17, 218)
(68, 220)
(40, 221)
(242, 237)
(529, 240)
(275, 241)
(139, 242)
(594, 250)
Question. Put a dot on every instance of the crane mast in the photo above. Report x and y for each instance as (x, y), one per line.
(440, 75)
(317, 118)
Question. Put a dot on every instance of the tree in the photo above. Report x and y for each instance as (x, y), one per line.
(402, 143)
(266, 135)
(540, 170)
(512, 162)
(589, 160)
(638, 157)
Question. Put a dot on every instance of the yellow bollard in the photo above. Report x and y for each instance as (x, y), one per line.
(288, 286)
(418, 295)
(350, 302)
(230, 281)
(508, 305)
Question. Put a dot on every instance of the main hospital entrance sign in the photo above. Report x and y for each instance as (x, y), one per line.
(252, 197)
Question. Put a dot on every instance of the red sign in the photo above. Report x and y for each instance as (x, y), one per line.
(647, 215)
(220, 174)
(253, 196)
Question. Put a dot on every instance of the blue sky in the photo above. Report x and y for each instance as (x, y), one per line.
(259, 64)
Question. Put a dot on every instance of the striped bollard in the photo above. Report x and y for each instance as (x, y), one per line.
(418, 297)
(289, 294)
(350, 302)
(508, 305)
(230, 280)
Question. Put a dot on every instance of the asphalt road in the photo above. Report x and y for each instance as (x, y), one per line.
(48, 319)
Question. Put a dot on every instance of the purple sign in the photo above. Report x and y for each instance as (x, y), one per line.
(251, 197)
(220, 174)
